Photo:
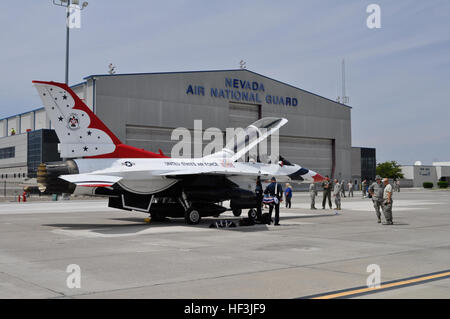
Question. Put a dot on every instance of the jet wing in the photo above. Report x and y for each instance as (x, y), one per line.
(91, 180)
(226, 172)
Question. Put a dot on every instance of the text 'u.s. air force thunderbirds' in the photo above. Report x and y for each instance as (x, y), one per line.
(98, 164)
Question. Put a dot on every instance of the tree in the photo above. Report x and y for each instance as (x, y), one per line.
(389, 170)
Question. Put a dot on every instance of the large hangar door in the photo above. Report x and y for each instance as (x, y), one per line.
(242, 115)
(153, 138)
(150, 138)
(311, 153)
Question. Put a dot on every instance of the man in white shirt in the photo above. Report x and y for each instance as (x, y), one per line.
(387, 202)
(350, 188)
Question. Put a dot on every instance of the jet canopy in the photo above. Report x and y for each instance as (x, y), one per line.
(245, 139)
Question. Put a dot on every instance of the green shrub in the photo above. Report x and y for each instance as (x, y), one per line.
(427, 185)
(443, 184)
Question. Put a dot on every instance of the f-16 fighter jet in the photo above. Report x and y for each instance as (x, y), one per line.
(97, 163)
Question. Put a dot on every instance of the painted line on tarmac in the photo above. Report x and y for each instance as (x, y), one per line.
(390, 285)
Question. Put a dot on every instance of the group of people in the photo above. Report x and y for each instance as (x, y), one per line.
(330, 188)
(380, 192)
(365, 185)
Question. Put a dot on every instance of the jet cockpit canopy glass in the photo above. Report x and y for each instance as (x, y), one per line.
(254, 133)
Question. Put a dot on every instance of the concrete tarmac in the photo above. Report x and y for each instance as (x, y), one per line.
(312, 252)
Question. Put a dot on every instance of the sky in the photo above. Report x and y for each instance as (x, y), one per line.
(397, 76)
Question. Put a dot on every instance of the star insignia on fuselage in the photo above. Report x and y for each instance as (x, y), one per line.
(60, 118)
(85, 148)
(128, 163)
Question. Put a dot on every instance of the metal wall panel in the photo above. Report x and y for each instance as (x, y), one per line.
(241, 115)
(311, 153)
(155, 138)
(149, 138)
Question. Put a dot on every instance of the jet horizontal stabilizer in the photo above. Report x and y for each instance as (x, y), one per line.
(90, 180)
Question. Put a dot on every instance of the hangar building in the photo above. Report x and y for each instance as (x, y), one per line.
(143, 109)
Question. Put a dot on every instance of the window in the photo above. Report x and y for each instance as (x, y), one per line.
(7, 152)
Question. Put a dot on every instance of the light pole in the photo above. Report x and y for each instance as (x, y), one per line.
(67, 4)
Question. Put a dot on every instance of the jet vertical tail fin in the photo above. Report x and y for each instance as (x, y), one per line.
(81, 133)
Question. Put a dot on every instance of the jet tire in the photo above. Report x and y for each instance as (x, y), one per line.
(237, 212)
(252, 214)
(192, 216)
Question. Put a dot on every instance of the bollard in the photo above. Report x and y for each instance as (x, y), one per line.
(18, 198)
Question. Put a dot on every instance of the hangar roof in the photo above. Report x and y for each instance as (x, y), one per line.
(212, 71)
(182, 72)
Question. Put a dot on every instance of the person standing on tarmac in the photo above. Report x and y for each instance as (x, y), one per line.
(376, 190)
(275, 190)
(350, 188)
(343, 188)
(387, 202)
(313, 194)
(337, 194)
(259, 198)
(327, 185)
(363, 188)
(288, 195)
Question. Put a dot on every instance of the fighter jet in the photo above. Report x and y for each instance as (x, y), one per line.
(97, 163)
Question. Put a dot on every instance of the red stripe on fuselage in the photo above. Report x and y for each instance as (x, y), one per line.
(127, 151)
(318, 178)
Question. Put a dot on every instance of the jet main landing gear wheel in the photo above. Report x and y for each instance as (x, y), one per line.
(192, 216)
(237, 212)
(252, 214)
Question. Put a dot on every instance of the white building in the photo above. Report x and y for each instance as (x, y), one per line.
(416, 175)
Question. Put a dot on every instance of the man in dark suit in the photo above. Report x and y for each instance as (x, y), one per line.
(259, 198)
(275, 190)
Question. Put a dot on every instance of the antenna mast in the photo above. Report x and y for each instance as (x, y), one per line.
(344, 99)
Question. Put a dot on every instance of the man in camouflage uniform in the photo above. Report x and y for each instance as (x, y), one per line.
(337, 194)
(387, 202)
(313, 194)
(376, 190)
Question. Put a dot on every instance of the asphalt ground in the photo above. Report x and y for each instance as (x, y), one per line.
(312, 254)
